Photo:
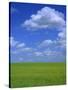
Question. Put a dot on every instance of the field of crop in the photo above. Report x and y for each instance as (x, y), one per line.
(37, 74)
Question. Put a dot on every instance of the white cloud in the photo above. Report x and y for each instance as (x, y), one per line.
(37, 53)
(13, 42)
(26, 49)
(21, 45)
(45, 18)
(47, 43)
(48, 18)
(49, 52)
(61, 43)
(62, 38)
(55, 44)
(62, 35)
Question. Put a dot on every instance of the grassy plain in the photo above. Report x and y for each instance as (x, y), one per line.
(37, 74)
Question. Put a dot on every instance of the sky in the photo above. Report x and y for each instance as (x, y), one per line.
(37, 32)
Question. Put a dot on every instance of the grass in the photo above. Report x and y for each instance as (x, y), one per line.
(37, 74)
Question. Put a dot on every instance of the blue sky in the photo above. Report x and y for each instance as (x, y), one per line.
(37, 32)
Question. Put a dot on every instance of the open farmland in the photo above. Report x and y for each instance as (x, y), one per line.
(37, 74)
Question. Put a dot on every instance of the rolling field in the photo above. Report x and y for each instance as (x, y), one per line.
(37, 74)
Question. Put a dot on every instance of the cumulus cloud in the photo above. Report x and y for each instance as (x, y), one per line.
(50, 18)
(45, 18)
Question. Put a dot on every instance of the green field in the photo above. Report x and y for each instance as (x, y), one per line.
(37, 74)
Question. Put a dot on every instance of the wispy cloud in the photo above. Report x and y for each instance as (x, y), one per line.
(20, 45)
(38, 53)
(26, 49)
